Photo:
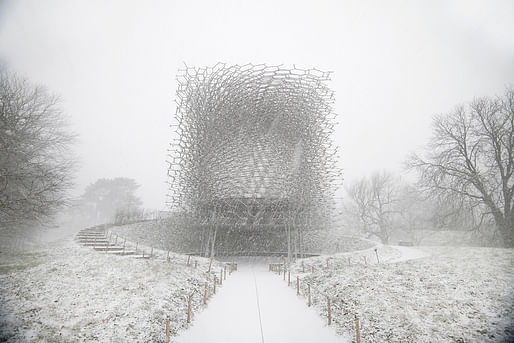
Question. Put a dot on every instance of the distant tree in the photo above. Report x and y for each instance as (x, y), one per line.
(470, 155)
(416, 213)
(35, 159)
(375, 202)
(109, 199)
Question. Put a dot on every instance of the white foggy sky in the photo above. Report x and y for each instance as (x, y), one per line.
(395, 64)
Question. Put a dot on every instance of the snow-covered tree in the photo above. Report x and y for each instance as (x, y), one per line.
(471, 155)
(375, 203)
(35, 159)
(107, 200)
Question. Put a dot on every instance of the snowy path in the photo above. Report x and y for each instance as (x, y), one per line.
(408, 253)
(252, 296)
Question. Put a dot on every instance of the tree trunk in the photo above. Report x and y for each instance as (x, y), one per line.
(288, 230)
(213, 241)
(296, 242)
(507, 233)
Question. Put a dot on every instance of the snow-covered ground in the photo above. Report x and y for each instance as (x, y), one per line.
(409, 253)
(254, 308)
(436, 294)
(63, 292)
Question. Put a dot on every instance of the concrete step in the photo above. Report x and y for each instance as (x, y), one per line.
(91, 237)
(128, 253)
(109, 248)
(97, 244)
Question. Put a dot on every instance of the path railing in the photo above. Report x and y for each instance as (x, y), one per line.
(102, 240)
(307, 289)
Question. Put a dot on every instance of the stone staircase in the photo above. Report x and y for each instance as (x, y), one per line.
(96, 238)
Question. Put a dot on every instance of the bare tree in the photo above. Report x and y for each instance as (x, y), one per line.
(35, 158)
(470, 155)
(416, 213)
(375, 200)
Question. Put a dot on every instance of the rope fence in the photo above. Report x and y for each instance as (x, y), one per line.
(333, 302)
(103, 240)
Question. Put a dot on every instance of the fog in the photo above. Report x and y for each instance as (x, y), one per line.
(395, 65)
(418, 245)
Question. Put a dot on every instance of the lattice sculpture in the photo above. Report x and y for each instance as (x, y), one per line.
(253, 152)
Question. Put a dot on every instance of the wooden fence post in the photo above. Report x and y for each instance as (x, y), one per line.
(327, 263)
(309, 294)
(168, 256)
(303, 267)
(221, 276)
(189, 308)
(143, 253)
(168, 328)
(297, 285)
(284, 272)
(214, 284)
(289, 278)
(376, 253)
(357, 330)
(196, 264)
(205, 294)
(188, 258)
(224, 272)
(210, 265)
(329, 313)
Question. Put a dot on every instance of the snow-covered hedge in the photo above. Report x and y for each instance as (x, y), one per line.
(162, 234)
(168, 234)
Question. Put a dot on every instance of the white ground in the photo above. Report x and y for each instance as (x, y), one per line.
(63, 292)
(409, 253)
(428, 294)
(252, 297)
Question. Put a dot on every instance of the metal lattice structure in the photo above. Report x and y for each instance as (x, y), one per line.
(253, 151)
